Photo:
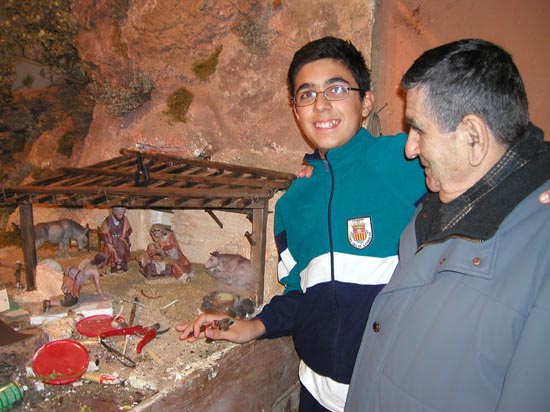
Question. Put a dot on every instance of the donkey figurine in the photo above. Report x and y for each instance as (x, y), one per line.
(60, 232)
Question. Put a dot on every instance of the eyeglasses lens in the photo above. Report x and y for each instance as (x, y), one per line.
(331, 93)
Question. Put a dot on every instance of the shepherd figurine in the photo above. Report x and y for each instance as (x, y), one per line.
(115, 234)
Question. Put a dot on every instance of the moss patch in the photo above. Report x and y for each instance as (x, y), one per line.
(178, 104)
(66, 143)
(10, 239)
(206, 68)
(41, 173)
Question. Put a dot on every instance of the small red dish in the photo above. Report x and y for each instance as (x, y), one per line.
(93, 326)
(60, 362)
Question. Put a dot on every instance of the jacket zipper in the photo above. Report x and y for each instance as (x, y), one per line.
(329, 219)
(336, 337)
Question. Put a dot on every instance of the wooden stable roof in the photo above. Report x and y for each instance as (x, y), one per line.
(151, 180)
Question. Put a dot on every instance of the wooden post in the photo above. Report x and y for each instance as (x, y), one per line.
(257, 255)
(29, 250)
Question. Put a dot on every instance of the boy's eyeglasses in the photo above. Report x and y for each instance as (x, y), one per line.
(332, 93)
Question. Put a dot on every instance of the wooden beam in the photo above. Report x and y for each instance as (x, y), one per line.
(29, 250)
(209, 164)
(257, 254)
(245, 193)
(205, 179)
(213, 216)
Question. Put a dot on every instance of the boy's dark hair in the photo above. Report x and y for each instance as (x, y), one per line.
(471, 76)
(331, 48)
(99, 259)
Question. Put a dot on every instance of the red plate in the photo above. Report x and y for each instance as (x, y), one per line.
(60, 362)
(93, 326)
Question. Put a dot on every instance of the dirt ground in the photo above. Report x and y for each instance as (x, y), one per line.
(164, 361)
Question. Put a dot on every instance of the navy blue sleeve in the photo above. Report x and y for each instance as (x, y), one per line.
(279, 314)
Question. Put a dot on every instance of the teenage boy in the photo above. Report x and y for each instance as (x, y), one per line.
(336, 232)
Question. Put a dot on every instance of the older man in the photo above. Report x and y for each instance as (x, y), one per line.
(464, 324)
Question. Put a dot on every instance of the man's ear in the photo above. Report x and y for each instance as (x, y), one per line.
(368, 104)
(476, 135)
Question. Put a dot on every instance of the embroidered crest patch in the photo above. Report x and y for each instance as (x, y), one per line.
(360, 232)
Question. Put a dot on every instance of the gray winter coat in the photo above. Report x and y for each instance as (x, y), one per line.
(463, 326)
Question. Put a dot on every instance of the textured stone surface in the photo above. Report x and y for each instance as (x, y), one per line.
(241, 112)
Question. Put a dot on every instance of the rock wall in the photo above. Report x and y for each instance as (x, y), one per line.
(240, 111)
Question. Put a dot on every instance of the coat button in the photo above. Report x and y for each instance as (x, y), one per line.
(476, 261)
(376, 326)
(442, 261)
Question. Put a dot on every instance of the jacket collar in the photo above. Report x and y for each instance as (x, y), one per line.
(341, 152)
(478, 212)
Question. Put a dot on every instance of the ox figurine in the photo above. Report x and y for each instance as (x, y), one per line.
(60, 232)
(233, 269)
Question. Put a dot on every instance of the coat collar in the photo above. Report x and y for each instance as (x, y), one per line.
(342, 152)
(478, 212)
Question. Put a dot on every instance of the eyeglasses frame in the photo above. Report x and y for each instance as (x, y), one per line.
(323, 92)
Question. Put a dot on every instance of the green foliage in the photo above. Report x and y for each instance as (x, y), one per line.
(66, 143)
(178, 104)
(7, 72)
(6, 211)
(15, 143)
(40, 31)
(41, 173)
(77, 103)
(10, 239)
(28, 80)
(18, 173)
(206, 68)
(40, 114)
(37, 106)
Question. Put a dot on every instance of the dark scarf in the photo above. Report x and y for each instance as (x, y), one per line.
(478, 212)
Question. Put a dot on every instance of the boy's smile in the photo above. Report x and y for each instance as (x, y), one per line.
(329, 124)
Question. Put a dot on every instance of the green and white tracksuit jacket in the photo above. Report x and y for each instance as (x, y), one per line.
(337, 235)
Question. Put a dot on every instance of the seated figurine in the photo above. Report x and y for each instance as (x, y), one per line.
(164, 256)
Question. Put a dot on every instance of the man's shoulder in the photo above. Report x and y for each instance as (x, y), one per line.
(530, 206)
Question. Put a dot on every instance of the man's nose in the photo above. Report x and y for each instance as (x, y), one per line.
(411, 146)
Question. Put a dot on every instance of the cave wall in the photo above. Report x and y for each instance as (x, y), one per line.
(239, 112)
